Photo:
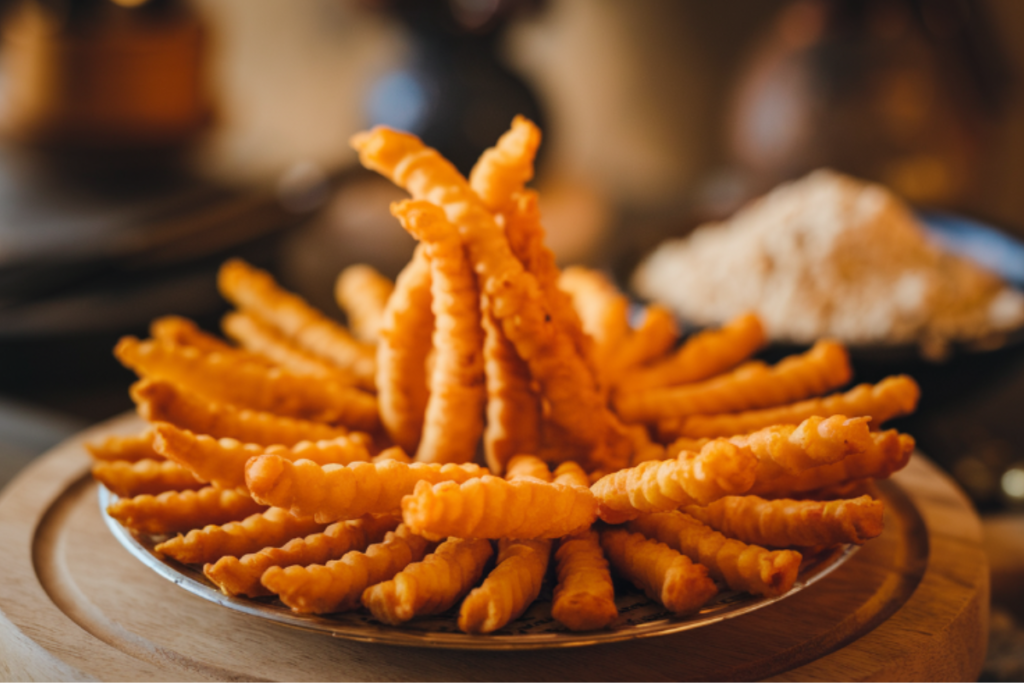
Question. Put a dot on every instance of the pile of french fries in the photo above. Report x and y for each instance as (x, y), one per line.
(334, 467)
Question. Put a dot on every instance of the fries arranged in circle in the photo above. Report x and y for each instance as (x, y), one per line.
(335, 469)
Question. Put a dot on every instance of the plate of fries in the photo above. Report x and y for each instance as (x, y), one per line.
(489, 455)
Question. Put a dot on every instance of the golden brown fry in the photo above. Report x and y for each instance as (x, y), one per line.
(661, 572)
(509, 589)
(752, 385)
(490, 507)
(363, 293)
(229, 379)
(783, 522)
(334, 492)
(584, 597)
(127, 479)
(338, 586)
(503, 170)
(241, 575)
(405, 342)
(655, 336)
(183, 332)
(432, 585)
(742, 567)
(892, 397)
(267, 529)
(570, 473)
(454, 418)
(255, 291)
(222, 461)
(173, 511)
(603, 311)
(704, 355)
(394, 453)
(128, 448)
(527, 466)
(158, 401)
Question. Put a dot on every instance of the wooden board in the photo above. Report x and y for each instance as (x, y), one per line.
(911, 605)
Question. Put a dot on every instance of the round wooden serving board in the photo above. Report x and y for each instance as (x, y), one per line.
(74, 605)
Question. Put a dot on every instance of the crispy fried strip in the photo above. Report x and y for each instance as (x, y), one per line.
(527, 466)
(490, 507)
(255, 291)
(655, 336)
(129, 448)
(132, 478)
(338, 586)
(752, 385)
(229, 379)
(266, 529)
(569, 473)
(662, 573)
(784, 522)
(241, 575)
(183, 332)
(222, 461)
(158, 401)
(702, 356)
(892, 397)
(454, 418)
(405, 342)
(584, 597)
(743, 567)
(175, 511)
(603, 312)
(432, 585)
(363, 293)
(334, 492)
(503, 170)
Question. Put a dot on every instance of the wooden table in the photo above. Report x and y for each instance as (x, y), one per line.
(911, 605)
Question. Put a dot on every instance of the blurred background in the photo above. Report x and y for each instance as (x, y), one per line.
(144, 141)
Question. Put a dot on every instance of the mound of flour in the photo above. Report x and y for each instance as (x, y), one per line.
(830, 256)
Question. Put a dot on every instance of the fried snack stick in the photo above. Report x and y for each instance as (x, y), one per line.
(662, 573)
(241, 575)
(702, 356)
(127, 448)
(527, 466)
(230, 379)
(255, 291)
(782, 523)
(503, 170)
(454, 417)
(183, 332)
(570, 473)
(338, 586)
(515, 295)
(752, 385)
(490, 507)
(267, 529)
(334, 492)
(892, 397)
(655, 336)
(158, 401)
(889, 451)
(222, 461)
(363, 293)
(126, 479)
(432, 585)
(175, 511)
(584, 597)
(603, 310)
(405, 342)
(742, 567)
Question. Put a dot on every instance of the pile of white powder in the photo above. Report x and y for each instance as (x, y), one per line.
(830, 256)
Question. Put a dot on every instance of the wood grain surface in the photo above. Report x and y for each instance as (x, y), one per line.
(74, 605)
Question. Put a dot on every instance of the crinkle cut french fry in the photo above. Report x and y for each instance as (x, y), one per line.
(222, 461)
(226, 378)
(363, 293)
(432, 585)
(654, 337)
(175, 511)
(584, 597)
(405, 343)
(267, 529)
(742, 567)
(158, 401)
(569, 473)
(184, 332)
(490, 507)
(503, 170)
(241, 575)
(126, 479)
(334, 492)
(664, 574)
(394, 453)
(128, 448)
(702, 356)
(783, 522)
(338, 586)
(814, 442)
(509, 589)
(603, 310)
(455, 409)
(892, 397)
(753, 385)
(255, 291)
(527, 466)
